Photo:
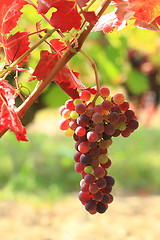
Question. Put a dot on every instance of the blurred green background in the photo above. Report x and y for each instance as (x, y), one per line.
(43, 168)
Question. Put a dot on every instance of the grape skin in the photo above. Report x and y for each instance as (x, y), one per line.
(105, 91)
(92, 136)
(83, 147)
(101, 208)
(98, 196)
(85, 159)
(85, 95)
(82, 120)
(91, 205)
(80, 108)
(97, 117)
(64, 124)
(89, 178)
(79, 167)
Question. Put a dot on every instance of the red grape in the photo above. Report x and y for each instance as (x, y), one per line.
(107, 105)
(89, 178)
(91, 205)
(69, 104)
(97, 118)
(105, 91)
(118, 98)
(83, 147)
(64, 124)
(99, 172)
(85, 95)
(92, 136)
(80, 131)
(79, 167)
(80, 108)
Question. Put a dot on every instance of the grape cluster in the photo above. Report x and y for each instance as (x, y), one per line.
(92, 127)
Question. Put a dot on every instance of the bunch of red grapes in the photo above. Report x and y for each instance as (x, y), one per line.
(92, 127)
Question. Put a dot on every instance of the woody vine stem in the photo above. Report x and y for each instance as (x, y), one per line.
(21, 110)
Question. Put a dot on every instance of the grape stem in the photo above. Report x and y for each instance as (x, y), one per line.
(93, 64)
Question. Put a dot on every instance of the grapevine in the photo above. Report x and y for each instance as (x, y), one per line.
(93, 127)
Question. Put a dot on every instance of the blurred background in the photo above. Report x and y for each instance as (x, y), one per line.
(38, 183)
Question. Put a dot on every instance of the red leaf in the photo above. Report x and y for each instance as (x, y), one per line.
(116, 19)
(154, 26)
(146, 10)
(66, 79)
(146, 14)
(57, 45)
(66, 17)
(46, 63)
(8, 116)
(15, 46)
(10, 13)
(89, 16)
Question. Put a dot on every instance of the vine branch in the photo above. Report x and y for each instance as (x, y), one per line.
(63, 60)
(21, 110)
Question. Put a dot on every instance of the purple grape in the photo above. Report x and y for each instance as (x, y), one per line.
(82, 120)
(113, 117)
(91, 205)
(85, 159)
(133, 124)
(110, 181)
(105, 199)
(101, 208)
(98, 196)
(130, 114)
(89, 178)
(116, 108)
(109, 129)
(101, 182)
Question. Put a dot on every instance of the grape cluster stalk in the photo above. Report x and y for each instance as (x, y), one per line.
(93, 127)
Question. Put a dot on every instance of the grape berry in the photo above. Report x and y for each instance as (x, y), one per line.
(92, 127)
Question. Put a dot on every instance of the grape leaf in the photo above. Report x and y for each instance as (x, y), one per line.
(116, 19)
(15, 46)
(154, 26)
(145, 13)
(58, 45)
(10, 13)
(8, 116)
(145, 10)
(66, 17)
(65, 79)
(89, 16)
